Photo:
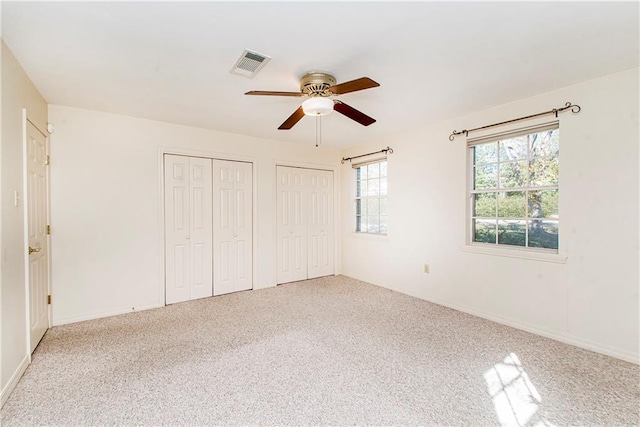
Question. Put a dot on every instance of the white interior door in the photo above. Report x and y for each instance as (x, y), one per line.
(291, 229)
(233, 226)
(37, 233)
(320, 223)
(188, 228)
(200, 230)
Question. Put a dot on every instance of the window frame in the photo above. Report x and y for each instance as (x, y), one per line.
(363, 199)
(527, 252)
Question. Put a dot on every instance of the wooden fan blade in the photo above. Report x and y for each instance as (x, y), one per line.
(265, 92)
(353, 114)
(292, 120)
(353, 85)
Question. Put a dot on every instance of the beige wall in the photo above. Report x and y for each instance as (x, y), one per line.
(592, 300)
(17, 93)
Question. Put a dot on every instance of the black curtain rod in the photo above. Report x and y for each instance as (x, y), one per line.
(574, 109)
(385, 150)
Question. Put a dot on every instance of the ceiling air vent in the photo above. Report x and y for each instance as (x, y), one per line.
(250, 63)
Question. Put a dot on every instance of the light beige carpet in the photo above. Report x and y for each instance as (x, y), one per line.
(326, 351)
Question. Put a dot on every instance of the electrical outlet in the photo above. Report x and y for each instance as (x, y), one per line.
(426, 268)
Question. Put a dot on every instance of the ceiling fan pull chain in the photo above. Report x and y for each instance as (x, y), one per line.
(318, 129)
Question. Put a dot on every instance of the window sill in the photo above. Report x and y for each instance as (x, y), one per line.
(370, 236)
(559, 258)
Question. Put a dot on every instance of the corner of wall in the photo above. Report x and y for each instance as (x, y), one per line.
(13, 381)
(18, 92)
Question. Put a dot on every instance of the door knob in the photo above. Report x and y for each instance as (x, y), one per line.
(32, 250)
(187, 237)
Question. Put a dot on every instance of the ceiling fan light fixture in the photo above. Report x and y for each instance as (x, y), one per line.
(317, 106)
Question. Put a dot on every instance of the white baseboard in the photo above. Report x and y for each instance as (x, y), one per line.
(565, 338)
(13, 381)
(82, 318)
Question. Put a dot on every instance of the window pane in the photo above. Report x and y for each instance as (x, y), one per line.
(383, 186)
(363, 188)
(484, 230)
(383, 205)
(373, 206)
(544, 171)
(545, 143)
(373, 224)
(373, 186)
(363, 172)
(485, 177)
(512, 204)
(485, 153)
(371, 183)
(384, 226)
(374, 170)
(484, 204)
(543, 234)
(512, 232)
(543, 204)
(513, 174)
(514, 148)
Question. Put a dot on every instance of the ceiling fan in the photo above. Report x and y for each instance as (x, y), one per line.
(319, 87)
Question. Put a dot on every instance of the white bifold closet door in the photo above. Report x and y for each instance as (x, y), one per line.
(291, 230)
(188, 228)
(320, 223)
(232, 226)
(304, 223)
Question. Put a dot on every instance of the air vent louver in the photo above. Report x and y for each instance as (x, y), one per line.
(249, 63)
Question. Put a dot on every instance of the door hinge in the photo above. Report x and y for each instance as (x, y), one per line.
(47, 160)
(48, 299)
(48, 229)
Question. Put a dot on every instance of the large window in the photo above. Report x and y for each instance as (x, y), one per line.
(371, 198)
(514, 189)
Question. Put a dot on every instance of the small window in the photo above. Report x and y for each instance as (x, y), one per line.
(514, 189)
(371, 198)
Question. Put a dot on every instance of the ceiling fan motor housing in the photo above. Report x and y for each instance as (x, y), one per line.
(316, 84)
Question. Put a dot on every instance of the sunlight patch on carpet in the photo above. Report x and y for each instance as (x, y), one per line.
(515, 398)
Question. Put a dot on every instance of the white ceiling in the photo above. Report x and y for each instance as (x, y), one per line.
(170, 61)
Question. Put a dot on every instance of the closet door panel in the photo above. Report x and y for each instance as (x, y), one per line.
(320, 229)
(284, 238)
(177, 229)
(243, 232)
(201, 244)
(223, 259)
(233, 226)
(291, 231)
